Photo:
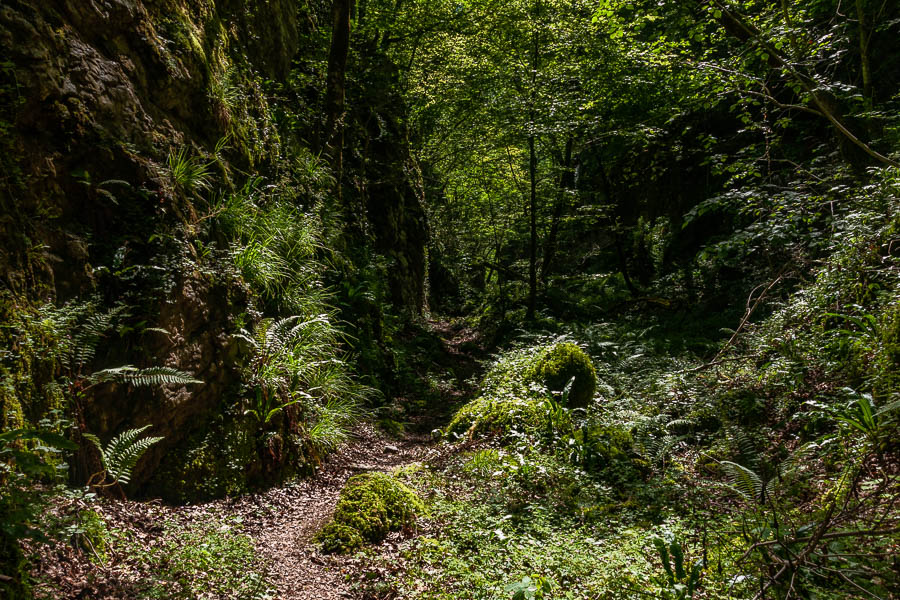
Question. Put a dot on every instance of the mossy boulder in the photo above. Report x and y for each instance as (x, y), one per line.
(490, 414)
(370, 506)
(558, 364)
(514, 392)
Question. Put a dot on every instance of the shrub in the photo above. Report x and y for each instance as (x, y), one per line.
(370, 505)
(558, 364)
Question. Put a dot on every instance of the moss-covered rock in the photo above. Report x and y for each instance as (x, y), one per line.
(337, 538)
(558, 364)
(498, 415)
(370, 505)
(515, 393)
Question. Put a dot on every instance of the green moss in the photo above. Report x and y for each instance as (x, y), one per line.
(498, 415)
(370, 505)
(559, 364)
(337, 538)
(11, 414)
(888, 372)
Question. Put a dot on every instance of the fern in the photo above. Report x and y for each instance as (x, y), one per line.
(745, 447)
(122, 453)
(142, 377)
(652, 441)
(745, 482)
(88, 334)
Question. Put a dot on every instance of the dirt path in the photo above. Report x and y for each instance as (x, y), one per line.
(282, 521)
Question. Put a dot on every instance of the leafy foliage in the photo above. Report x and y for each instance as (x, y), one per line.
(151, 376)
(204, 556)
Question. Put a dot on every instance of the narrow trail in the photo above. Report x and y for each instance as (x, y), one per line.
(283, 521)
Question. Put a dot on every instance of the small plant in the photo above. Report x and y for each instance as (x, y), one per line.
(676, 583)
(190, 173)
(24, 462)
(119, 456)
(535, 587)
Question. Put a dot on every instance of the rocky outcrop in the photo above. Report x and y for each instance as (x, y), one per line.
(98, 100)
(95, 95)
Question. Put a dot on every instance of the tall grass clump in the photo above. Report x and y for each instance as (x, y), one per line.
(276, 247)
(297, 360)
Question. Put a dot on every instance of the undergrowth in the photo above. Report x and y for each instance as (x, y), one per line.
(208, 557)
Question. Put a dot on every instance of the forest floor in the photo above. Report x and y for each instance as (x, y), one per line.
(281, 521)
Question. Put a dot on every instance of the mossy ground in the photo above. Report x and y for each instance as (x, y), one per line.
(370, 505)
(504, 514)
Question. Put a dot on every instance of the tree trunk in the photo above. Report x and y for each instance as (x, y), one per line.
(532, 259)
(865, 62)
(532, 175)
(617, 233)
(333, 139)
(566, 183)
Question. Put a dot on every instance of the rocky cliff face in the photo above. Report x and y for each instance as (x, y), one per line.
(103, 91)
(97, 96)
(99, 101)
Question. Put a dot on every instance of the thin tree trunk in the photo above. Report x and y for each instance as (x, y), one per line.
(566, 183)
(333, 138)
(865, 62)
(617, 234)
(532, 175)
(532, 260)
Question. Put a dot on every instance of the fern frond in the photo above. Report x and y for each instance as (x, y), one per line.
(675, 424)
(122, 464)
(744, 481)
(142, 377)
(122, 452)
(889, 407)
(745, 447)
(88, 334)
(248, 337)
(158, 330)
(95, 441)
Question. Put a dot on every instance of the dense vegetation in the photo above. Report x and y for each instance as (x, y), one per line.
(234, 234)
